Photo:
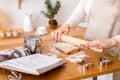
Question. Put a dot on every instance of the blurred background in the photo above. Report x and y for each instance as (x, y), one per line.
(33, 7)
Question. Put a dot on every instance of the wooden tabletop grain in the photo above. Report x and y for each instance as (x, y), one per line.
(69, 71)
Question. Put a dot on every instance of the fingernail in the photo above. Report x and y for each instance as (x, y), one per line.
(56, 41)
(83, 45)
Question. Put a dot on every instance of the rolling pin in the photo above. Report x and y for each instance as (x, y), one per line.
(19, 4)
(77, 42)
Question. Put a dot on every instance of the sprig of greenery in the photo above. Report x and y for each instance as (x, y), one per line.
(51, 10)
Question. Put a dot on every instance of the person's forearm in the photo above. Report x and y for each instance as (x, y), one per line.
(65, 26)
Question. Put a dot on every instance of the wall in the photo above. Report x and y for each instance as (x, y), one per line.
(16, 16)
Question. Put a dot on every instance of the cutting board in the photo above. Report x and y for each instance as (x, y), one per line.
(3, 20)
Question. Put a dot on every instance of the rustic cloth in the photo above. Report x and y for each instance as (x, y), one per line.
(12, 54)
(32, 45)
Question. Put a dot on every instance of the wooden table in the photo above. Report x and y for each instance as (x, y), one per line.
(70, 70)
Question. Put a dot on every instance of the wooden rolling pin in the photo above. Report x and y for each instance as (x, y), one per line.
(19, 4)
(77, 42)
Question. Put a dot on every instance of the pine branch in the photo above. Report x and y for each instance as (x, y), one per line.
(51, 11)
(57, 7)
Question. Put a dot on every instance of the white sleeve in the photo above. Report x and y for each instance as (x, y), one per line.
(78, 14)
(117, 37)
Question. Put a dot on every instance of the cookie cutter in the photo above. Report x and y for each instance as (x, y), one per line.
(86, 64)
(104, 60)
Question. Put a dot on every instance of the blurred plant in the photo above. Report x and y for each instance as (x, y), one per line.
(51, 10)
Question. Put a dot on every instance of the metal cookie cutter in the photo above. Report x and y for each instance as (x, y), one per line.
(86, 64)
(104, 60)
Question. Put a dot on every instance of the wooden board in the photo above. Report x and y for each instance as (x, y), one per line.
(3, 20)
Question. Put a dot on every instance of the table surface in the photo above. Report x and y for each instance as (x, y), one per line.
(69, 71)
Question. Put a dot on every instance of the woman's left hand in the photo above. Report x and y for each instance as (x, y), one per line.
(101, 44)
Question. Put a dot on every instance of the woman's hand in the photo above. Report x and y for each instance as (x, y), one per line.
(64, 29)
(101, 44)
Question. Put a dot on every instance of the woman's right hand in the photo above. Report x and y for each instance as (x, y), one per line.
(64, 29)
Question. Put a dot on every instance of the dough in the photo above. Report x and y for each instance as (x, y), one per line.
(66, 47)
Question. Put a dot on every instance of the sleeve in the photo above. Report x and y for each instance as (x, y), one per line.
(78, 14)
(117, 37)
